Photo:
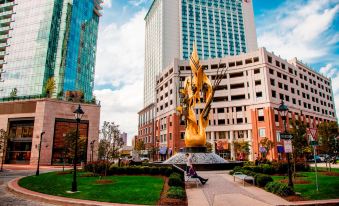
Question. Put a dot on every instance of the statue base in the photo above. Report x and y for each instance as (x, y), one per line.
(195, 149)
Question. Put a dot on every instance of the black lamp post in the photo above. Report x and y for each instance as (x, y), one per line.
(92, 148)
(37, 169)
(283, 111)
(78, 115)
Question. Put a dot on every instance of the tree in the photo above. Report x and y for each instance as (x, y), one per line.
(327, 133)
(209, 147)
(242, 148)
(70, 142)
(110, 143)
(50, 87)
(268, 145)
(3, 146)
(14, 93)
(299, 141)
(139, 145)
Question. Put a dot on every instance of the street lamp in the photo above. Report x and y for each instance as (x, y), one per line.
(283, 111)
(78, 115)
(37, 169)
(92, 148)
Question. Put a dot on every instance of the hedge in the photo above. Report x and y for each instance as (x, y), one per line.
(99, 168)
(269, 169)
(262, 180)
(280, 189)
(175, 180)
(176, 193)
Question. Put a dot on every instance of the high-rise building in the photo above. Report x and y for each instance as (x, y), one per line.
(42, 39)
(123, 136)
(219, 28)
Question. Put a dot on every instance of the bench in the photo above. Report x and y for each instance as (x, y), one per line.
(187, 177)
(242, 177)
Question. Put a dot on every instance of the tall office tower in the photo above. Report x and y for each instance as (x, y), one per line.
(219, 28)
(43, 39)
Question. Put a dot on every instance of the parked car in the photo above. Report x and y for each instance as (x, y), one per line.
(323, 157)
(311, 158)
(144, 159)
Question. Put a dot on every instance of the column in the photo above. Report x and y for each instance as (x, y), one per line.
(213, 141)
(232, 145)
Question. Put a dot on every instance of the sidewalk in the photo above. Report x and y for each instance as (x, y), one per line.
(323, 165)
(220, 190)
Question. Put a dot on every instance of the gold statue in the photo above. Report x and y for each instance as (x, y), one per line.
(195, 134)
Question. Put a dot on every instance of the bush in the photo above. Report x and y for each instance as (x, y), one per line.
(96, 167)
(176, 193)
(279, 189)
(261, 180)
(175, 180)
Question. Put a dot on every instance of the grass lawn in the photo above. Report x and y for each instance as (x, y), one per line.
(328, 185)
(124, 189)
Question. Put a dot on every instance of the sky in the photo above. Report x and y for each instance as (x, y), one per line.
(306, 29)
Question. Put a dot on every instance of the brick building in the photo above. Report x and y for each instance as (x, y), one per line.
(244, 107)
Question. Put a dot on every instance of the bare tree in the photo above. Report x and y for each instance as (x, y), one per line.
(3, 146)
(110, 143)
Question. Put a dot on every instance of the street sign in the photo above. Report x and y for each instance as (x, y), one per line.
(313, 132)
(314, 143)
(286, 136)
(288, 146)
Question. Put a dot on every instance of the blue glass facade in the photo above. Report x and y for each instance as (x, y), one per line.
(216, 26)
(57, 40)
(81, 48)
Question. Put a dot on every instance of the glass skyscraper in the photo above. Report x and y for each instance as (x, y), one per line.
(43, 39)
(219, 28)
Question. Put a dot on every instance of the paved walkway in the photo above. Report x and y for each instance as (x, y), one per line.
(220, 190)
(14, 171)
(324, 165)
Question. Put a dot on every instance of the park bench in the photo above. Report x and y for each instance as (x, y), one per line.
(242, 177)
(187, 177)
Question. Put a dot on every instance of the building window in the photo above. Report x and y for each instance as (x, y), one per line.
(262, 132)
(261, 116)
(274, 94)
(257, 82)
(182, 135)
(259, 94)
(278, 136)
(170, 136)
(221, 122)
(222, 135)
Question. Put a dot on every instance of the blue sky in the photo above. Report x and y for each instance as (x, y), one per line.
(306, 29)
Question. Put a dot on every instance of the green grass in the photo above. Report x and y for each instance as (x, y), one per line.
(124, 189)
(328, 186)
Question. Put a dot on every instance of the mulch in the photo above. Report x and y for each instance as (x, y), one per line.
(104, 182)
(334, 174)
(293, 198)
(297, 181)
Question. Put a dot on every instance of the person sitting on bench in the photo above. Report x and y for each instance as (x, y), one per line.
(193, 174)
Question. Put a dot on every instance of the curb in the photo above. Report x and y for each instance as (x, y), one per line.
(318, 202)
(14, 187)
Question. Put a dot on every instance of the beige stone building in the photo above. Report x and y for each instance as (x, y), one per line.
(25, 120)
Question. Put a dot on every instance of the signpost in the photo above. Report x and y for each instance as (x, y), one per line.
(288, 146)
(314, 143)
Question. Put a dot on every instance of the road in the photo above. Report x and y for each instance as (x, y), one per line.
(11, 172)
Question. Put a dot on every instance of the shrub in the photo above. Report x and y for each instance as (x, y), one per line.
(175, 180)
(261, 180)
(89, 174)
(96, 167)
(176, 193)
(279, 189)
(267, 169)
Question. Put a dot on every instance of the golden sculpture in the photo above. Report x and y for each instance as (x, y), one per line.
(195, 134)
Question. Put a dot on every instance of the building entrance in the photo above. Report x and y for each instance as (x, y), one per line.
(20, 142)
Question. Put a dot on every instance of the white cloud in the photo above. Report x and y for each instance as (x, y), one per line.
(120, 62)
(300, 29)
(137, 2)
(107, 3)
